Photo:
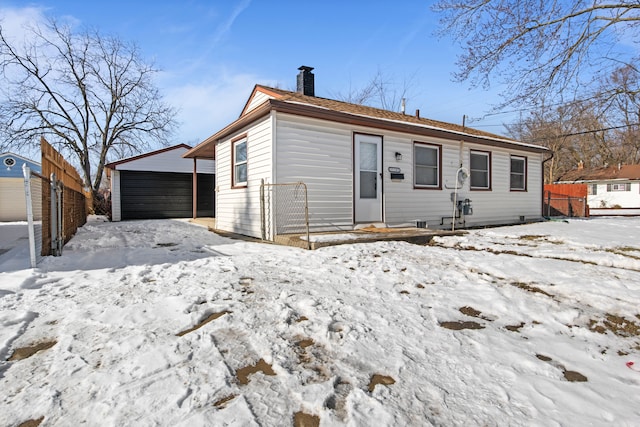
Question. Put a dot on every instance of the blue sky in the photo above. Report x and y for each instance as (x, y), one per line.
(212, 53)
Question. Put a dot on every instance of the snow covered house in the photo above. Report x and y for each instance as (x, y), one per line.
(613, 190)
(363, 165)
(13, 206)
(160, 184)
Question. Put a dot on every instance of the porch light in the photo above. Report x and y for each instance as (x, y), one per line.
(398, 156)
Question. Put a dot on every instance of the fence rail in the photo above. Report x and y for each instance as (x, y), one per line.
(284, 210)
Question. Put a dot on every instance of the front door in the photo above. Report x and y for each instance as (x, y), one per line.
(368, 178)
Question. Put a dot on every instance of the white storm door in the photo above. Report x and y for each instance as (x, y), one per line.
(368, 178)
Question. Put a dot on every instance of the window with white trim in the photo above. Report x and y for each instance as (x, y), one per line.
(518, 177)
(480, 168)
(426, 165)
(592, 189)
(240, 163)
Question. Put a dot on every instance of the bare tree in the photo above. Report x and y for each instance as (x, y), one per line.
(541, 50)
(623, 108)
(90, 95)
(572, 131)
(380, 91)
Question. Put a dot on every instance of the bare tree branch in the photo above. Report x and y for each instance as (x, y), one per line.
(541, 50)
(89, 94)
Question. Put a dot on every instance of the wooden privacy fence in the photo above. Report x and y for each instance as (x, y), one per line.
(568, 200)
(63, 200)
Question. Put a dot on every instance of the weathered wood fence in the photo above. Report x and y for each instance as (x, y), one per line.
(63, 181)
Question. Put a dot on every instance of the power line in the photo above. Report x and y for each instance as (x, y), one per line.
(585, 132)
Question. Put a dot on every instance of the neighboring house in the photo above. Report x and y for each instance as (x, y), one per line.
(13, 206)
(362, 165)
(611, 190)
(160, 184)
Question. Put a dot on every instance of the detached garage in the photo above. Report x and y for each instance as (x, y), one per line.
(160, 184)
(13, 206)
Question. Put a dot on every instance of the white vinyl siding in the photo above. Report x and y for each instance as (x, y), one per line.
(320, 154)
(168, 161)
(404, 204)
(258, 99)
(238, 209)
(501, 205)
(609, 194)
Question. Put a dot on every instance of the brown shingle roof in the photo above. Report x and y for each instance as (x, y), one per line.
(343, 112)
(363, 110)
(602, 174)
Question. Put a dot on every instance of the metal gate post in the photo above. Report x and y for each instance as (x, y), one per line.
(56, 216)
(60, 218)
(27, 192)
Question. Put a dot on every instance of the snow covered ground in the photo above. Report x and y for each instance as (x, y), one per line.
(165, 323)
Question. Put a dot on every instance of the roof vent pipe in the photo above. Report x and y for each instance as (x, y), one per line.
(306, 81)
(418, 113)
(403, 105)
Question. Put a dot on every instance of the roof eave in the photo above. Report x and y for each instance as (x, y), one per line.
(206, 149)
(112, 165)
(378, 123)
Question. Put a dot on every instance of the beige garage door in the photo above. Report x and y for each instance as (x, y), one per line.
(12, 202)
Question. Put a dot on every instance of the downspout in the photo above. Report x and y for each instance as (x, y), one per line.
(460, 167)
(461, 154)
(542, 183)
(195, 188)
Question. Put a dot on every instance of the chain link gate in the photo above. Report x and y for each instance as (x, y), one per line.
(284, 210)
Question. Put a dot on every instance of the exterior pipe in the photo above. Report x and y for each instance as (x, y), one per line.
(542, 198)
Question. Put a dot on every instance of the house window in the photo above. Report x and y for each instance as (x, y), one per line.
(518, 173)
(480, 162)
(619, 187)
(240, 163)
(592, 189)
(426, 167)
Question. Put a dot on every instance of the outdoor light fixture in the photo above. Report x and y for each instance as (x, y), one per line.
(398, 156)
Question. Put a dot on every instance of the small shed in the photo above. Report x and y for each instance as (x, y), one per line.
(13, 205)
(161, 184)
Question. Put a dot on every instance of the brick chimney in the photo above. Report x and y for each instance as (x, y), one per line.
(305, 81)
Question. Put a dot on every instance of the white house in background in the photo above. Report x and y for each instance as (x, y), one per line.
(13, 205)
(160, 184)
(363, 165)
(611, 190)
